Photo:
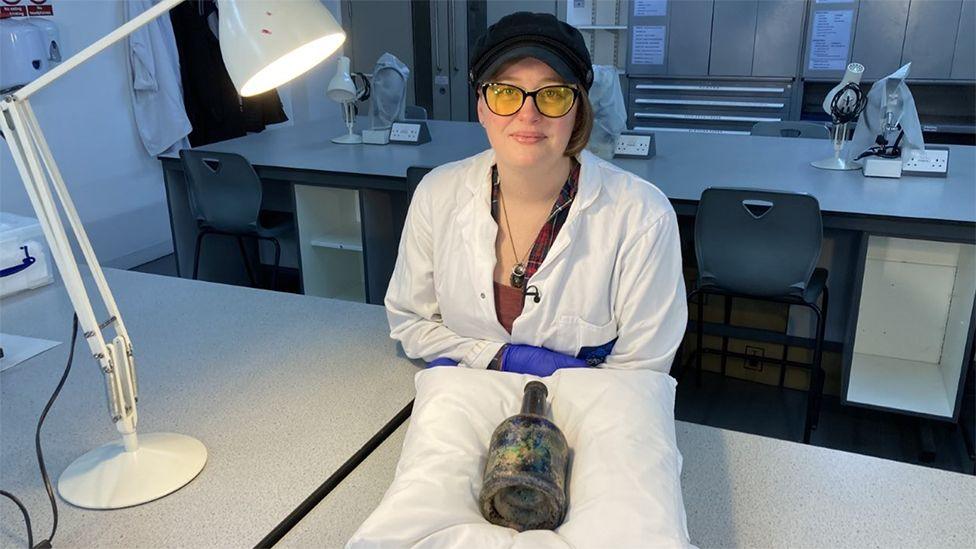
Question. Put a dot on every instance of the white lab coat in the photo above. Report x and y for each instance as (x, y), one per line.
(157, 92)
(614, 271)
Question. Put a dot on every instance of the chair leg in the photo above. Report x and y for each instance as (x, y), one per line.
(816, 377)
(699, 338)
(786, 349)
(196, 253)
(725, 339)
(247, 261)
(277, 260)
(819, 359)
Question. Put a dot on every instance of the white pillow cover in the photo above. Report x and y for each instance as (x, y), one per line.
(625, 468)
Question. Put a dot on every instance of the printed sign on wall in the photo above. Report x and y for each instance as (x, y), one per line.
(25, 8)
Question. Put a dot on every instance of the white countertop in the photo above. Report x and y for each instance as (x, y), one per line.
(281, 389)
(742, 490)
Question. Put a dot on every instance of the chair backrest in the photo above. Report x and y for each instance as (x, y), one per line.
(225, 191)
(762, 243)
(791, 128)
(413, 112)
(414, 175)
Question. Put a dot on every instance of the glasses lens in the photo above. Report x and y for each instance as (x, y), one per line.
(555, 101)
(502, 99)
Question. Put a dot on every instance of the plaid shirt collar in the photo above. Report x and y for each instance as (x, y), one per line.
(557, 216)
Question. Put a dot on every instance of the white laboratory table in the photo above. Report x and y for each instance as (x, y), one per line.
(742, 490)
(282, 389)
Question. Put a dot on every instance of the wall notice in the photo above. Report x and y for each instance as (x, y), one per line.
(830, 39)
(25, 8)
(647, 45)
(650, 8)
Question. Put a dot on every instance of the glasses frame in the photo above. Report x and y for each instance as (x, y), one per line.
(526, 95)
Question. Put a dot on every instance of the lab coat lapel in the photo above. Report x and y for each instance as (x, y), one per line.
(478, 232)
(586, 193)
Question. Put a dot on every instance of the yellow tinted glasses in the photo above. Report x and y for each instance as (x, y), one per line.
(550, 101)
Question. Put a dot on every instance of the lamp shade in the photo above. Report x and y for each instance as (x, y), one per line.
(341, 88)
(265, 44)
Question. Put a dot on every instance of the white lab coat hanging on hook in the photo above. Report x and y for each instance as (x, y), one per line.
(888, 95)
(389, 92)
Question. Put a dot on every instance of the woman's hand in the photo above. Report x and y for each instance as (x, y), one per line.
(537, 361)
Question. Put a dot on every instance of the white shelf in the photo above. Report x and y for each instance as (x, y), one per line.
(331, 244)
(338, 242)
(897, 384)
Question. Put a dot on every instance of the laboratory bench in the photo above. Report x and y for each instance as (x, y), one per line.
(890, 244)
(284, 389)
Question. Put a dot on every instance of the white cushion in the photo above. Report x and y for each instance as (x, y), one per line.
(625, 468)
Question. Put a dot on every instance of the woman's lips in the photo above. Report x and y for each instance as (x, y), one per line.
(528, 138)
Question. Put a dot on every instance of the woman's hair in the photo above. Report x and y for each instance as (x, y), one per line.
(584, 112)
(583, 125)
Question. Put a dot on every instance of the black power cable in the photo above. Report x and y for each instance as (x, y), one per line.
(40, 454)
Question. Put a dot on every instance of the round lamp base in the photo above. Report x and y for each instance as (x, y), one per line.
(835, 163)
(109, 477)
(348, 139)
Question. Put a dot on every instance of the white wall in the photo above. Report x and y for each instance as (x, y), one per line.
(87, 119)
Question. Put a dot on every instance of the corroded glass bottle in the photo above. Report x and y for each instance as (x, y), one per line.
(525, 476)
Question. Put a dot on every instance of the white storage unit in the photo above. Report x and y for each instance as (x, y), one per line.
(913, 327)
(24, 258)
(330, 242)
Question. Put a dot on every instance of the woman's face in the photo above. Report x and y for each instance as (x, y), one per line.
(527, 138)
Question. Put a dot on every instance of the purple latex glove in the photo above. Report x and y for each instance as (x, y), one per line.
(441, 361)
(537, 361)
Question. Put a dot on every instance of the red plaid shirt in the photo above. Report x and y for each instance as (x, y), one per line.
(547, 234)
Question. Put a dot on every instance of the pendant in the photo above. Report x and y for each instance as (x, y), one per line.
(518, 275)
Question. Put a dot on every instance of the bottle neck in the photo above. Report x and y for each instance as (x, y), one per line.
(534, 399)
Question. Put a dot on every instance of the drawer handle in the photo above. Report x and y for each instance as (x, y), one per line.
(722, 118)
(701, 102)
(709, 88)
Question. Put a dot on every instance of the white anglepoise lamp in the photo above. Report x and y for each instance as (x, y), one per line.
(343, 90)
(264, 45)
(843, 103)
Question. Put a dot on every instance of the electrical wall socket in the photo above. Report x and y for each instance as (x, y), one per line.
(633, 145)
(932, 162)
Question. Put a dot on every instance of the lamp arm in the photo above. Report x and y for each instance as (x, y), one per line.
(38, 171)
(94, 49)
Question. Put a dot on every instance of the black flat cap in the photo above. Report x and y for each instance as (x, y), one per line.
(538, 35)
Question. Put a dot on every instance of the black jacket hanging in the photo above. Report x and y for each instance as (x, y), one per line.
(213, 106)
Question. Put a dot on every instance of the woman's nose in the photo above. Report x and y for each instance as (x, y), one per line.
(528, 112)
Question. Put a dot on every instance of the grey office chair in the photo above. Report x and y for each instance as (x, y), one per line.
(762, 245)
(791, 128)
(225, 197)
(413, 112)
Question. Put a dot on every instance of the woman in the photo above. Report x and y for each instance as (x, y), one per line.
(593, 247)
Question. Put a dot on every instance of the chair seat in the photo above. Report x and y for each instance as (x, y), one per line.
(272, 223)
(815, 287)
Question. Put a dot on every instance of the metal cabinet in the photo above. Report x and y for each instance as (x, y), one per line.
(707, 105)
(777, 41)
(936, 36)
(725, 38)
(733, 38)
(879, 34)
(930, 37)
(964, 58)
